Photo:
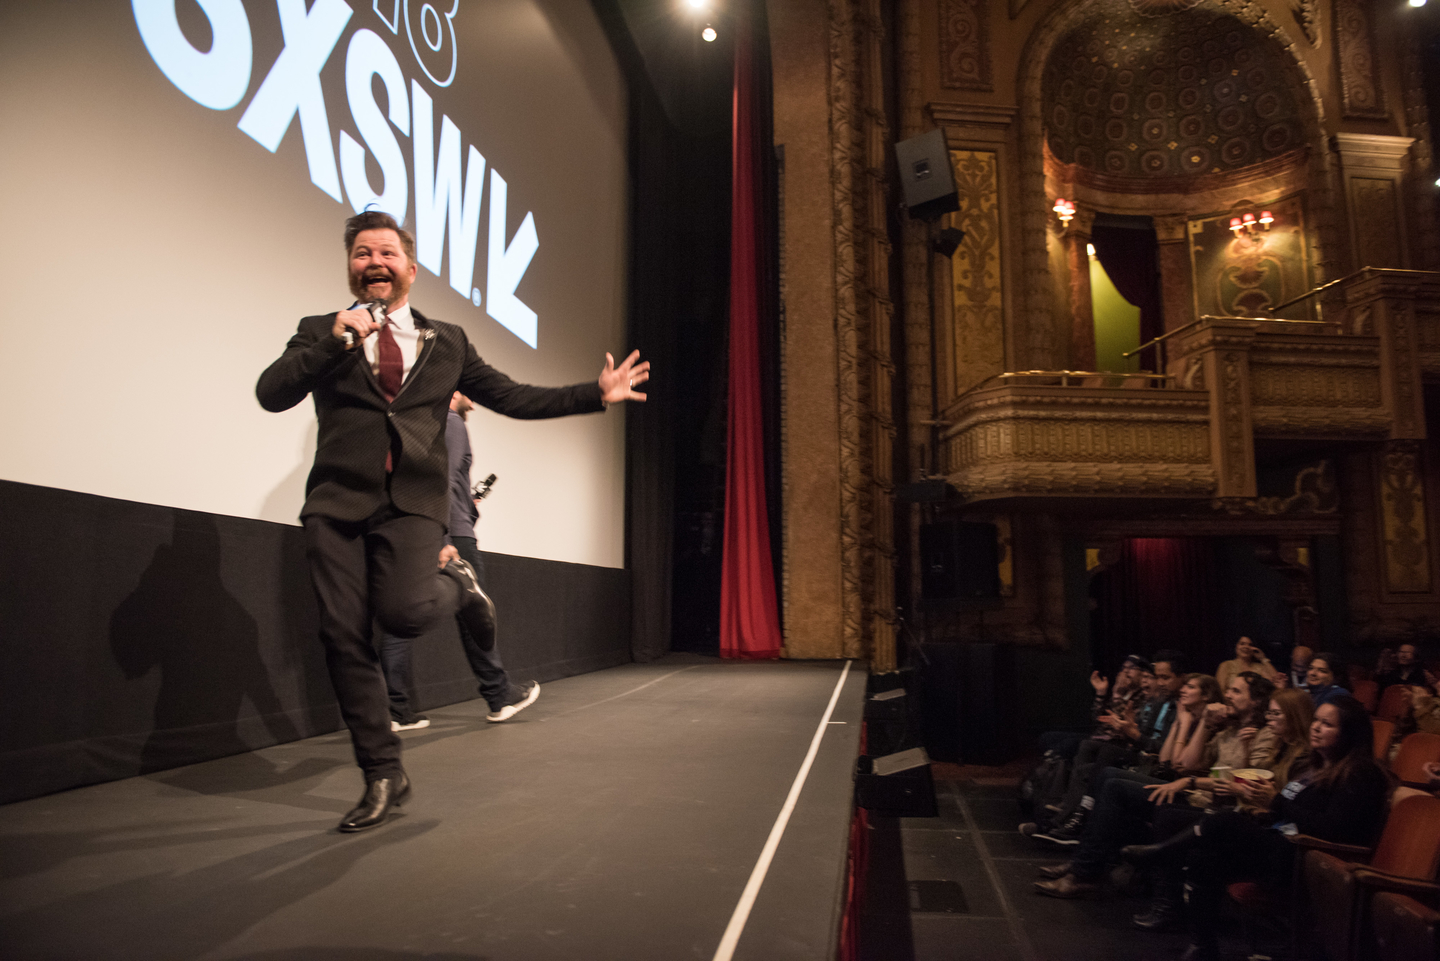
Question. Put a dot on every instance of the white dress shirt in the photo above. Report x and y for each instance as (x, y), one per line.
(406, 338)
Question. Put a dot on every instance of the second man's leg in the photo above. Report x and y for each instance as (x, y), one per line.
(499, 692)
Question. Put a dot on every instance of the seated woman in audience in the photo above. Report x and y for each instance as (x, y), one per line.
(1288, 720)
(1248, 657)
(1120, 805)
(1338, 795)
(1232, 732)
(1320, 679)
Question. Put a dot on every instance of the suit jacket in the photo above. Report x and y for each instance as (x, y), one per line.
(358, 427)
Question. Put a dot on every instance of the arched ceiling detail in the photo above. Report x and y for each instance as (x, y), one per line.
(1190, 93)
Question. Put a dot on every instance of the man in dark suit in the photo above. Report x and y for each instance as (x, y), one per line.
(376, 501)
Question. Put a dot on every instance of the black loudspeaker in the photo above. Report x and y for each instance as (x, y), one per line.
(960, 562)
(896, 785)
(925, 175)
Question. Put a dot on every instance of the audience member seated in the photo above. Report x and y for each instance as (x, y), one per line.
(1320, 679)
(1137, 742)
(1408, 670)
(1126, 697)
(1288, 718)
(1126, 803)
(1196, 691)
(1339, 795)
(1248, 657)
(1424, 710)
(1300, 657)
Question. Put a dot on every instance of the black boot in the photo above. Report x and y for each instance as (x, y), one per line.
(380, 796)
(1169, 848)
(476, 610)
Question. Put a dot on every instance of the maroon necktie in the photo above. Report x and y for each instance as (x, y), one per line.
(392, 365)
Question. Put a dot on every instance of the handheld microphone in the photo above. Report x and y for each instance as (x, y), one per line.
(482, 489)
(377, 312)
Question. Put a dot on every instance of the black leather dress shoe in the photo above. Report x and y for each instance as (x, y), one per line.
(477, 611)
(380, 796)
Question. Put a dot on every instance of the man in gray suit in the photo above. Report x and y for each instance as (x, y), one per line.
(376, 501)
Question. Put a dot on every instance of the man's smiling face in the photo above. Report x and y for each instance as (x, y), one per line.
(379, 269)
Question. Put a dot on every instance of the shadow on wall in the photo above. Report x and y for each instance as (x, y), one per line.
(181, 620)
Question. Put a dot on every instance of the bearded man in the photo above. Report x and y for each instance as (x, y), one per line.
(376, 502)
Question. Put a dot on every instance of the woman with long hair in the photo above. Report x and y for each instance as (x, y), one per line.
(1121, 806)
(1288, 719)
(1232, 732)
(1197, 692)
(1338, 794)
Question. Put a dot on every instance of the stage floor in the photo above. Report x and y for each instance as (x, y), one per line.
(619, 817)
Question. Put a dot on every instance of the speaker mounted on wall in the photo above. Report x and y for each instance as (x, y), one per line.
(925, 176)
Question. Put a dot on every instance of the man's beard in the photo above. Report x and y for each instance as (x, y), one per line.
(398, 287)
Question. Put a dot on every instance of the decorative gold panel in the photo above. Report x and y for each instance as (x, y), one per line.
(965, 45)
(978, 324)
(1308, 382)
(1008, 442)
(1377, 222)
(1402, 512)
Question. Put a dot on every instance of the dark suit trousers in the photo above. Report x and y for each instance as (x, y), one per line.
(382, 568)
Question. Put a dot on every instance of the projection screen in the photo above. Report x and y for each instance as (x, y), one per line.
(175, 176)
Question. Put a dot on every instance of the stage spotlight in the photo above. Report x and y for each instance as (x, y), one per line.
(1417, 3)
(708, 34)
(697, 5)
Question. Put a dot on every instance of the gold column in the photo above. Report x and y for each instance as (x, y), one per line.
(1177, 290)
(1082, 308)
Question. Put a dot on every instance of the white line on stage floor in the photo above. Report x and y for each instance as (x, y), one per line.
(617, 697)
(726, 950)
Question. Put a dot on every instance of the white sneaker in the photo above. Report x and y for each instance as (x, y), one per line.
(510, 710)
(415, 723)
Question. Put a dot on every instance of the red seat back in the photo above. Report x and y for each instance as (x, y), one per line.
(1367, 693)
(1394, 703)
(1415, 752)
(1384, 731)
(1410, 844)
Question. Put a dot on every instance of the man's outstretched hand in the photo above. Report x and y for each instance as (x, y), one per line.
(618, 383)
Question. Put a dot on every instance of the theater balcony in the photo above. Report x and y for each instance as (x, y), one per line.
(1353, 374)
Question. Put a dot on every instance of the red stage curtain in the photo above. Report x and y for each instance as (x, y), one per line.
(749, 618)
(1162, 593)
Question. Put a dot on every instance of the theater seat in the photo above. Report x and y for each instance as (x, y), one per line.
(1368, 694)
(1394, 703)
(1404, 929)
(1384, 731)
(1338, 886)
(1415, 752)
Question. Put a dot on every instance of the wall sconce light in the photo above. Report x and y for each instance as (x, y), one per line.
(1065, 210)
(1249, 224)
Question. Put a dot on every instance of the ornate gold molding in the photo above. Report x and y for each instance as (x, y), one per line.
(1404, 527)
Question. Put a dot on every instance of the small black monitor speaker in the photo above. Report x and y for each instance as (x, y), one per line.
(926, 177)
(960, 561)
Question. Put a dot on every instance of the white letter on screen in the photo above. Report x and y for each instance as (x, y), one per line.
(367, 58)
(293, 84)
(507, 265)
(216, 79)
(438, 194)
